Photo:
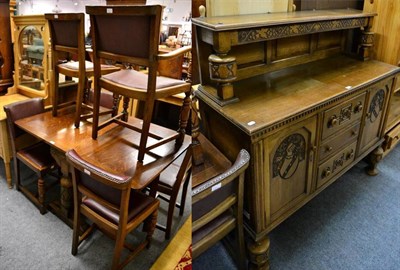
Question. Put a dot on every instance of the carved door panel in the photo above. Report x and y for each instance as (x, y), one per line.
(372, 131)
(291, 158)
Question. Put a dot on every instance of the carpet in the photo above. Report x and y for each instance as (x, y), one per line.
(177, 254)
(352, 225)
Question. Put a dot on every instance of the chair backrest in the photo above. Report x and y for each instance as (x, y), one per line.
(218, 188)
(213, 199)
(107, 188)
(126, 33)
(19, 110)
(67, 32)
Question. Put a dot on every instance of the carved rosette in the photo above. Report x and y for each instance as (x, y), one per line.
(223, 70)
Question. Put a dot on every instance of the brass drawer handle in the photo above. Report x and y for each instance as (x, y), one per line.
(326, 173)
(350, 155)
(333, 121)
(358, 108)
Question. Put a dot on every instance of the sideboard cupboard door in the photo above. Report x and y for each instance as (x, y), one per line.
(291, 153)
(377, 101)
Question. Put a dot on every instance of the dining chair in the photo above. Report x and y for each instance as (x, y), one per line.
(217, 210)
(130, 35)
(170, 182)
(33, 153)
(107, 199)
(68, 57)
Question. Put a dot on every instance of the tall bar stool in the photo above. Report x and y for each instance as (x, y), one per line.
(113, 38)
(67, 33)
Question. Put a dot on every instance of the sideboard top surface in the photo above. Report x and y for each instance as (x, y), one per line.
(271, 98)
(226, 23)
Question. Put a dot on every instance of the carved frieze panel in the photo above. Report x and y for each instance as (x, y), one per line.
(275, 32)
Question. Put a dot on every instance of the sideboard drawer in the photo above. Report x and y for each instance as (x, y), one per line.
(342, 115)
(335, 164)
(343, 138)
(392, 138)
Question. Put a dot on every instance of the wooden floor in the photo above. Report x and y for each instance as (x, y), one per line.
(176, 248)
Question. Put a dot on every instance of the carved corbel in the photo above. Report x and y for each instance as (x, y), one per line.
(223, 70)
(366, 42)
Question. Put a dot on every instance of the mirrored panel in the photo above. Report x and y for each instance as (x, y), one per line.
(31, 51)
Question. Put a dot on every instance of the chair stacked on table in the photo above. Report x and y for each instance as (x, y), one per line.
(67, 33)
(114, 39)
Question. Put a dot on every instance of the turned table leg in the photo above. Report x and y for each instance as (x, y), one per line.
(259, 254)
(65, 182)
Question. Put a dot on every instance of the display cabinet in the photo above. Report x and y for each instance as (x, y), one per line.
(31, 57)
(31, 54)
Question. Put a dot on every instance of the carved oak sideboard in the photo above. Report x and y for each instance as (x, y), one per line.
(298, 92)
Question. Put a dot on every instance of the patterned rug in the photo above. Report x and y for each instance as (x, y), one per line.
(186, 262)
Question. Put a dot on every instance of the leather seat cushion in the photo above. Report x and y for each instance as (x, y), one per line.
(134, 79)
(38, 155)
(138, 202)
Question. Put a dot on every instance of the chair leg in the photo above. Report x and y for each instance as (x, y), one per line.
(76, 226)
(16, 172)
(171, 208)
(150, 226)
(55, 93)
(183, 196)
(184, 118)
(116, 99)
(119, 245)
(41, 194)
(79, 100)
(241, 246)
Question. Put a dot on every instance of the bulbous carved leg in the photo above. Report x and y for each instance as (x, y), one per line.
(259, 254)
(223, 71)
(373, 160)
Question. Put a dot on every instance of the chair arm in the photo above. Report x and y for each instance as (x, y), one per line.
(174, 53)
(240, 165)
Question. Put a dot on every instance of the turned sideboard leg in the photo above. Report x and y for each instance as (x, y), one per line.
(373, 160)
(259, 254)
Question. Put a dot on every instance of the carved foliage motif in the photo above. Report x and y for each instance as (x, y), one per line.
(275, 32)
(345, 113)
(288, 156)
(376, 105)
